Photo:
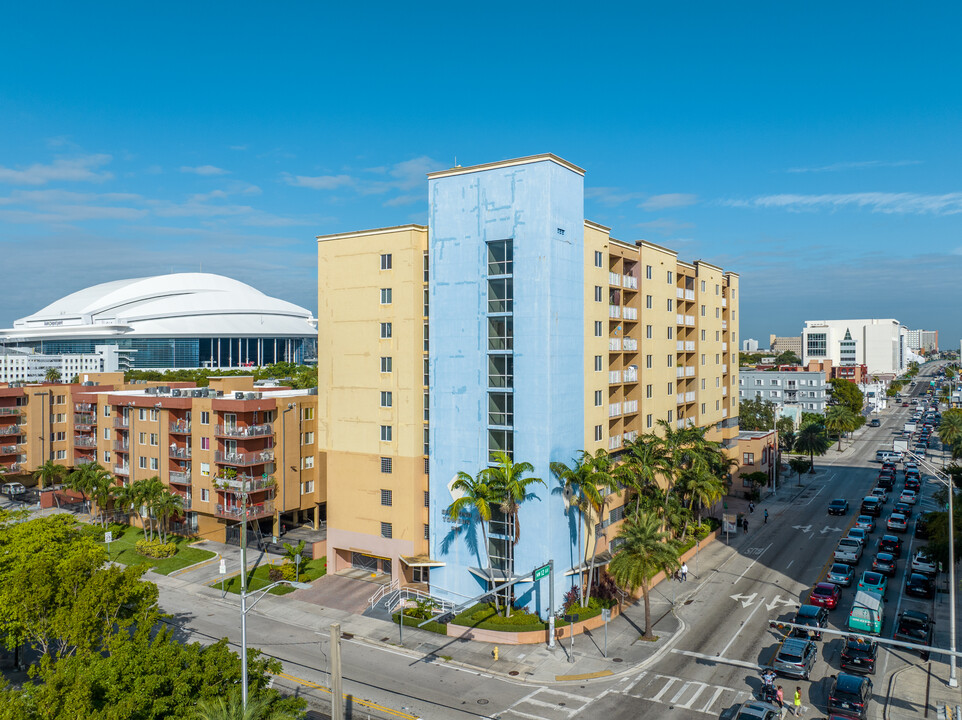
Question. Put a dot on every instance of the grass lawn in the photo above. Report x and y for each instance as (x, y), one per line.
(258, 577)
(126, 537)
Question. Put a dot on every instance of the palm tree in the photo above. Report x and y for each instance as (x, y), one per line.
(52, 375)
(232, 708)
(811, 439)
(149, 492)
(166, 505)
(477, 498)
(125, 498)
(100, 483)
(646, 460)
(840, 418)
(645, 551)
(703, 488)
(49, 473)
(78, 480)
(574, 482)
(950, 430)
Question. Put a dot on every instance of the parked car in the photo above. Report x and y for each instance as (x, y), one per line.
(865, 522)
(873, 582)
(920, 585)
(874, 422)
(826, 595)
(908, 496)
(923, 563)
(885, 563)
(859, 655)
(813, 616)
(913, 626)
(839, 506)
(795, 658)
(13, 489)
(841, 574)
(890, 544)
(897, 522)
(850, 695)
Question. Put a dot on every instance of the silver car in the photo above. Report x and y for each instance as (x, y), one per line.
(841, 574)
(757, 710)
(795, 658)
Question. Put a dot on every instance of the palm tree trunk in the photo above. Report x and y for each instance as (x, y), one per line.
(644, 595)
(594, 554)
(487, 554)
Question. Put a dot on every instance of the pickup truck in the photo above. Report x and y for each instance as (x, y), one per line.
(849, 551)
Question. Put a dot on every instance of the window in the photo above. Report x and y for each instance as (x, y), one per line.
(107, 457)
(387, 497)
(386, 261)
(703, 358)
(670, 304)
(61, 455)
(427, 531)
(386, 433)
(717, 337)
(386, 399)
(427, 499)
(648, 272)
(671, 388)
(386, 465)
(671, 360)
(718, 382)
(648, 301)
(716, 405)
(648, 361)
(598, 363)
(386, 364)
(598, 398)
(648, 391)
(307, 438)
(648, 331)
(204, 495)
(703, 311)
(703, 286)
(307, 462)
(748, 458)
(307, 487)
(385, 331)
(716, 313)
(671, 332)
(205, 469)
(386, 530)
(385, 296)
(776, 382)
(205, 443)
(142, 414)
(703, 383)
(598, 328)
(599, 258)
(671, 277)
(106, 433)
(774, 393)
(703, 406)
(153, 439)
(597, 433)
(598, 296)
(204, 418)
(703, 336)
(142, 462)
(142, 438)
(649, 420)
(154, 415)
(670, 415)
(106, 410)
(154, 464)
(717, 289)
(308, 413)
(717, 358)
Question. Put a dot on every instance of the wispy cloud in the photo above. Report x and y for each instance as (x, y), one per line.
(319, 182)
(405, 200)
(204, 170)
(612, 196)
(402, 178)
(889, 203)
(76, 169)
(669, 200)
(857, 165)
(665, 226)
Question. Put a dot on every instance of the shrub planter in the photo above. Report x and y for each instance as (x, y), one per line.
(533, 637)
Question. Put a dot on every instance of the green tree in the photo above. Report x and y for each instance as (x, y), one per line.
(577, 486)
(703, 489)
(756, 414)
(49, 473)
(645, 461)
(787, 358)
(644, 551)
(812, 440)
(475, 500)
(231, 708)
(840, 419)
(52, 375)
(950, 430)
(799, 465)
(166, 506)
(844, 392)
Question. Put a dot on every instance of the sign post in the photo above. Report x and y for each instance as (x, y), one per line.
(223, 575)
(297, 567)
(547, 571)
(108, 538)
(572, 619)
(606, 616)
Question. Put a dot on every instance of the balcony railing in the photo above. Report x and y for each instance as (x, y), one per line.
(10, 429)
(630, 406)
(614, 376)
(629, 281)
(614, 410)
(121, 422)
(689, 320)
(724, 302)
(8, 449)
(679, 371)
(614, 311)
(84, 407)
(724, 391)
(724, 324)
(724, 347)
(121, 446)
(724, 369)
(180, 427)
(12, 467)
(249, 483)
(631, 374)
(180, 478)
(179, 452)
(724, 412)
(121, 470)
(614, 442)
(254, 458)
(85, 441)
(236, 431)
(680, 345)
(630, 436)
(680, 293)
(679, 319)
(83, 460)
(83, 427)
(689, 294)
(614, 344)
(614, 279)
(630, 313)
(629, 344)
(689, 371)
(257, 510)
(689, 397)
(689, 346)
(11, 411)
(680, 398)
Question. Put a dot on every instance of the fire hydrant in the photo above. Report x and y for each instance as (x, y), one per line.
(495, 653)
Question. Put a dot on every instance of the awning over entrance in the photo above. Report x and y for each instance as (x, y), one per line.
(421, 561)
(601, 559)
(499, 576)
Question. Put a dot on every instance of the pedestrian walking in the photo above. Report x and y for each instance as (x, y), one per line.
(684, 572)
(798, 701)
(780, 697)
(751, 507)
(745, 525)
(766, 516)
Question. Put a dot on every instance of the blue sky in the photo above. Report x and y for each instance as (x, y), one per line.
(814, 149)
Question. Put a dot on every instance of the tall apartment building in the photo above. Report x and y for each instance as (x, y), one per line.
(924, 340)
(200, 442)
(516, 326)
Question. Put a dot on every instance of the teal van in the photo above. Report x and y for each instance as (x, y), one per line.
(867, 613)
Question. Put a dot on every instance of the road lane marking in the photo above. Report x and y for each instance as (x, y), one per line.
(637, 680)
(714, 699)
(671, 681)
(743, 625)
(691, 701)
(719, 660)
(745, 600)
(684, 689)
(353, 699)
(778, 600)
(751, 564)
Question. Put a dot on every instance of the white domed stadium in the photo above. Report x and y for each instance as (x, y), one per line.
(182, 320)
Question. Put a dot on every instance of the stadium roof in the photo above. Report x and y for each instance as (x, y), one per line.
(176, 305)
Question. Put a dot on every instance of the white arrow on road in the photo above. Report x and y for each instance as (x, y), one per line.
(830, 529)
(803, 528)
(778, 601)
(746, 600)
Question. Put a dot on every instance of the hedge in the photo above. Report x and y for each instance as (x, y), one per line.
(156, 549)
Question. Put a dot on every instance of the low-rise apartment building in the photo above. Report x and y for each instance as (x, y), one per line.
(805, 389)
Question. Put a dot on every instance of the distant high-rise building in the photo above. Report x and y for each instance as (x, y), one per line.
(922, 340)
(779, 345)
(750, 345)
(879, 344)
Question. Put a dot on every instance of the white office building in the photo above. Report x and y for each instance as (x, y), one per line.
(807, 390)
(750, 345)
(19, 365)
(880, 345)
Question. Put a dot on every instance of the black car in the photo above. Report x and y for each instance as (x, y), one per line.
(922, 527)
(914, 627)
(850, 695)
(871, 505)
(875, 422)
(859, 655)
(890, 544)
(812, 616)
(886, 481)
(904, 508)
(884, 563)
(838, 506)
(912, 483)
(920, 585)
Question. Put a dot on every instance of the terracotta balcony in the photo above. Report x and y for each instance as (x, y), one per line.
(180, 428)
(10, 411)
(10, 429)
(8, 449)
(244, 459)
(179, 452)
(179, 478)
(249, 431)
(85, 441)
(247, 482)
(255, 511)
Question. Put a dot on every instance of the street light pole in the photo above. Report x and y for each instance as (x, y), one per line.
(243, 594)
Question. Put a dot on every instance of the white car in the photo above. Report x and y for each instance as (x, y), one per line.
(13, 489)
(881, 494)
(908, 496)
(922, 563)
(859, 534)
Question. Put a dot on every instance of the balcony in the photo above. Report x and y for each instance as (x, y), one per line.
(689, 397)
(236, 512)
(679, 371)
(248, 483)
(680, 399)
(724, 302)
(690, 320)
(724, 369)
(10, 411)
(614, 311)
(614, 344)
(631, 436)
(85, 441)
(8, 449)
(12, 467)
(614, 442)
(179, 452)
(614, 410)
(680, 345)
(689, 294)
(185, 502)
(84, 407)
(121, 446)
(614, 279)
(614, 376)
(630, 313)
(689, 371)
(724, 390)
(121, 470)
(680, 424)
(630, 406)
(689, 346)
(121, 422)
(629, 344)
(237, 431)
(84, 427)
(179, 478)
(10, 429)
(679, 319)
(180, 428)
(629, 282)
(724, 324)
(680, 293)
(631, 374)
(244, 459)
(724, 412)
(80, 459)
